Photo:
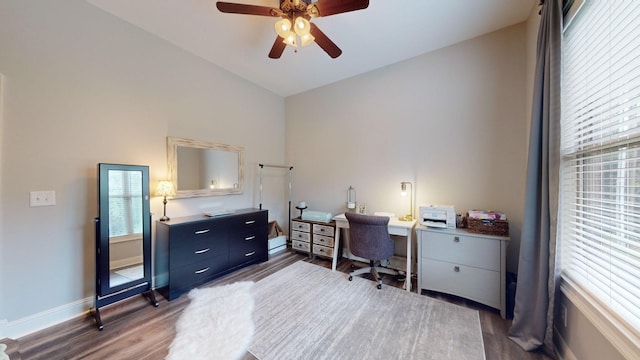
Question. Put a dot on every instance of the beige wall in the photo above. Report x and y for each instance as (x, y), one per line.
(452, 122)
(82, 87)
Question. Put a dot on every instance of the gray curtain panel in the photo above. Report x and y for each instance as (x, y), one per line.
(532, 326)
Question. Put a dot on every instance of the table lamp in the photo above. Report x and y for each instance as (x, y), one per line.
(165, 188)
(403, 187)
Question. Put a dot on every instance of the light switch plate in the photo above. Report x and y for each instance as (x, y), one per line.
(42, 198)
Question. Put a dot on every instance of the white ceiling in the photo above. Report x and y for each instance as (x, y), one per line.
(387, 32)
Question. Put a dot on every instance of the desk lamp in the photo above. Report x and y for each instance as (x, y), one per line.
(403, 187)
(165, 188)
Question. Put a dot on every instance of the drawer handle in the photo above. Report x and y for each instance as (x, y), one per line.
(456, 239)
(202, 251)
(249, 238)
(203, 270)
(299, 235)
(456, 268)
(249, 254)
(249, 222)
(202, 231)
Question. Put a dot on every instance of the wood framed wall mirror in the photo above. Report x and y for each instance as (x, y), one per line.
(201, 168)
(123, 235)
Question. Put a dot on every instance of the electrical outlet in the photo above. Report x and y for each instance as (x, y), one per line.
(42, 198)
(563, 314)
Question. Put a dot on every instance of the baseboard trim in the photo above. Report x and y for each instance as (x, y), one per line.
(35, 322)
(563, 351)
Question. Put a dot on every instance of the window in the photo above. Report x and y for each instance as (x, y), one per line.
(125, 195)
(600, 191)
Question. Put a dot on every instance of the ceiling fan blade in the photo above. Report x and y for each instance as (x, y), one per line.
(233, 8)
(324, 42)
(277, 49)
(332, 7)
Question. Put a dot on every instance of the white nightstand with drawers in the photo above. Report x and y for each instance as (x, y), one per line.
(457, 262)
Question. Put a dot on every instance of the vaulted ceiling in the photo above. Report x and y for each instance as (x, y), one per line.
(387, 32)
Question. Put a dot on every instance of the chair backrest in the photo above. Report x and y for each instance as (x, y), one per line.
(369, 236)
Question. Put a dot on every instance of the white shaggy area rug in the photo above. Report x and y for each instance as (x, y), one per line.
(217, 324)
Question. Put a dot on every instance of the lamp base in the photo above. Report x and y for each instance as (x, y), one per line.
(406, 218)
(165, 218)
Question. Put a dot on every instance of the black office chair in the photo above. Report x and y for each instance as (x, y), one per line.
(369, 238)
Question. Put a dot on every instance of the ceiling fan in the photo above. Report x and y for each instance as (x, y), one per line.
(294, 22)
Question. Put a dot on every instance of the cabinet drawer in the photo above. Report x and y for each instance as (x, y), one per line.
(249, 221)
(247, 246)
(323, 240)
(300, 245)
(196, 250)
(300, 236)
(323, 230)
(469, 282)
(190, 275)
(182, 235)
(247, 251)
(322, 250)
(301, 226)
(473, 251)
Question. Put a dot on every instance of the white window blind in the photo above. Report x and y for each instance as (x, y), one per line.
(600, 193)
(125, 203)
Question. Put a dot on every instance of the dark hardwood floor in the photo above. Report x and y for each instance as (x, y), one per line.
(136, 330)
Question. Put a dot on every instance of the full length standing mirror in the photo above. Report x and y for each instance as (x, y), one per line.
(123, 235)
(201, 168)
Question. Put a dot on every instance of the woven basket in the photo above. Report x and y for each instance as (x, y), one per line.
(488, 227)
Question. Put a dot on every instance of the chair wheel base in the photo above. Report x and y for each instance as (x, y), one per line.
(350, 278)
(379, 286)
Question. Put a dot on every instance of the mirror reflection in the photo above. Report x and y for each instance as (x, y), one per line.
(206, 168)
(200, 168)
(125, 227)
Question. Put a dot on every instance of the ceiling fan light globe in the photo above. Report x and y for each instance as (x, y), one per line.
(302, 26)
(283, 27)
(290, 39)
(306, 39)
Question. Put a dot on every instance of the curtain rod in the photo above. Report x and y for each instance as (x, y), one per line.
(276, 166)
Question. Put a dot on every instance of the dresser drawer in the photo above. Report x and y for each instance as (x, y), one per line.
(300, 246)
(247, 246)
(301, 236)
(322, 250)
(182, 235)
(323, 230)
(472, 251)
(249, 221)
(323, 240)
(469, 282)
(196, 250)
(190, 275)
(300, 226)
(247, 252)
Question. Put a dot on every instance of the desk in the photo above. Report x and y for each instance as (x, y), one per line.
(396, 227)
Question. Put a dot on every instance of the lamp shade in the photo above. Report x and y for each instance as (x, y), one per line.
(306, 39)
(165, 188)
(290, 39)
(283, 28)
(302, 26)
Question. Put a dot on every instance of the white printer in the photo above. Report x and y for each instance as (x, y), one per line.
(438, 216)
